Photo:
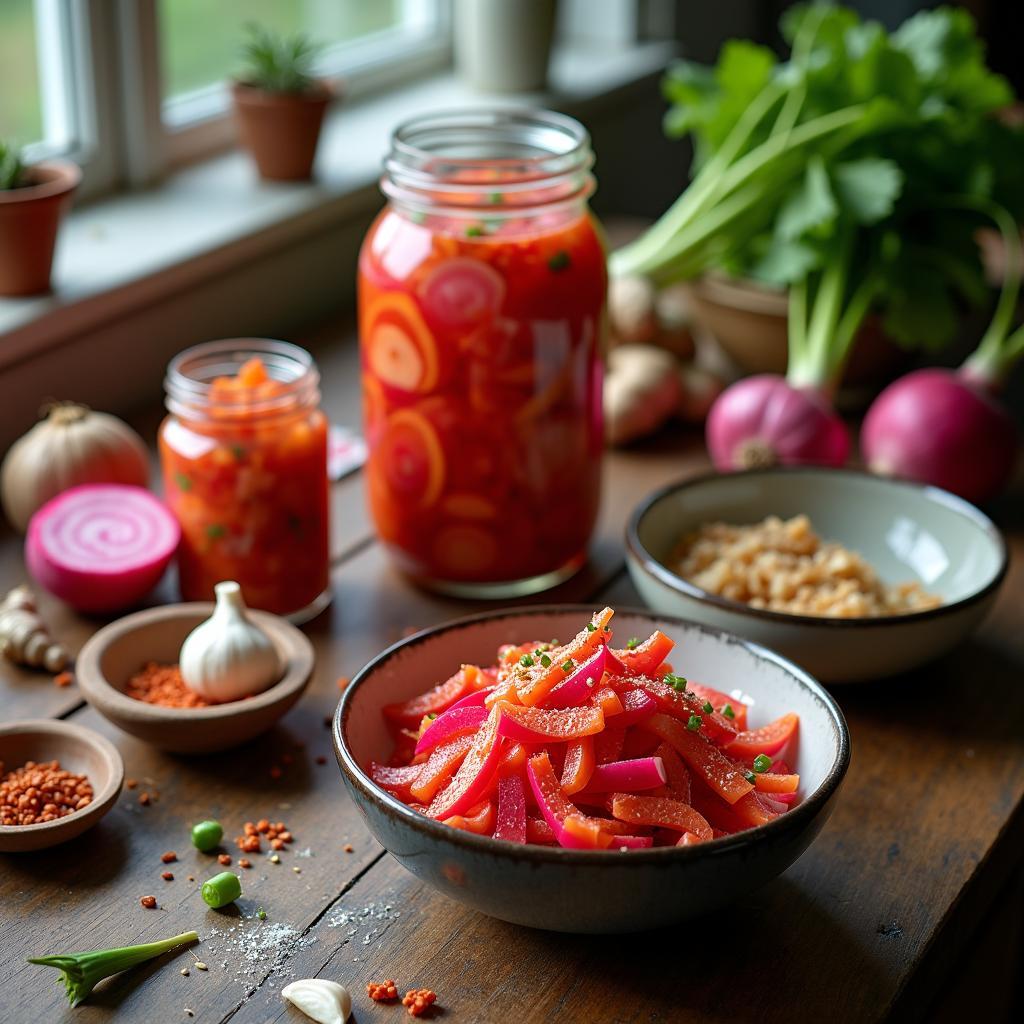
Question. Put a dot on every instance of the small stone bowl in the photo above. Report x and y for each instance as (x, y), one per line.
(79, 750)
(111, 657)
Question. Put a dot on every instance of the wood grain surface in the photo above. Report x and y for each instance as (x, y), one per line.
(919, 867)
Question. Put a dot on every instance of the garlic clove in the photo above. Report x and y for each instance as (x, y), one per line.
(324, 1001)
(228, 656)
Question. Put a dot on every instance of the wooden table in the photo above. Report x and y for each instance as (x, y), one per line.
(907, 907)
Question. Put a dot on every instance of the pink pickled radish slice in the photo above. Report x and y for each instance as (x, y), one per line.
(511, 818)
(101, 547)
(574, 690)
(631, 842)
(628, 776)
(452, 723)
(636, 705)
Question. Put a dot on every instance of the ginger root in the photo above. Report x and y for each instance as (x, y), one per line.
(24, 638)
(641, 392)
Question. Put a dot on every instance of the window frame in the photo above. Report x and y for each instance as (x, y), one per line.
(420, 45)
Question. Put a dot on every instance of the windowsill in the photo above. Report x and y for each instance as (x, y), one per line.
(118, 254)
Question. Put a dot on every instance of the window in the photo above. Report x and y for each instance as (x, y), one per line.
(21, 114)
(366, 43)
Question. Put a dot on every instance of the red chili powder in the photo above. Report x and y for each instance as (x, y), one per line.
(163, 685)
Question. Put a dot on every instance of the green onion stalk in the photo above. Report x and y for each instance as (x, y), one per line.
(81, 972)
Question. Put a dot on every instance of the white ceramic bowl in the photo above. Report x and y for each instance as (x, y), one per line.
(905, 530)
(591, 890)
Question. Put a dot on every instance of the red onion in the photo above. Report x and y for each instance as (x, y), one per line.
(943, 427)
(766, 421)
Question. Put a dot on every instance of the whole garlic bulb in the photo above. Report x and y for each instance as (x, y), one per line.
(228, 656)
(73, 445)
(324, 1001)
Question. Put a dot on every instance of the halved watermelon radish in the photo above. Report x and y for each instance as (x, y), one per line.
(461, 293)
(399, 348)
(411, 458)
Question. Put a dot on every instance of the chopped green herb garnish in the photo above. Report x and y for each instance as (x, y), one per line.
(693, 723)
(676, 682)
(474, 231)
(221, 890)
(496, 198)
(559, 261)
(215, 531)
(183, 482)
(238, 451)
(728, 711)
(526, 661)
(762, 763)
(545, 660)
(749, 776)
(632, 643)
(431, 716)
(567, 665)
(707, 708)
(261, 914)
(591, 628)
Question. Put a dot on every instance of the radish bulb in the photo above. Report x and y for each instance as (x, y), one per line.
(941, 427)
(764, 421)
(948, 427)
(769, 420)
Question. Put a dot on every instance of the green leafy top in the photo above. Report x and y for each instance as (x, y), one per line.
(856, 172)
(11, 168)
(279, 63)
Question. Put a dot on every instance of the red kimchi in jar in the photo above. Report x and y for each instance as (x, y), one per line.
(481, 300)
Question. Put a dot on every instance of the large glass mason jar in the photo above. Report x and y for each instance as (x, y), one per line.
(244, 457)
(481, 309)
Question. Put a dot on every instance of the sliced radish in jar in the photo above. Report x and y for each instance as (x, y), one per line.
(400, 350)
(462, 293)
(411, 457)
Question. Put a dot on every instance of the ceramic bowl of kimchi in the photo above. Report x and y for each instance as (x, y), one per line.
(734, 756)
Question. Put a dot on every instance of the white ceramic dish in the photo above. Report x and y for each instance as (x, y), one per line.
(905, 530)
(591, 890)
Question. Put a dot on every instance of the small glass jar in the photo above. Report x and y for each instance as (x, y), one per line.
(244, 458)
(481, 309)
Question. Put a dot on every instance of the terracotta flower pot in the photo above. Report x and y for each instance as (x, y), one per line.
(281, 130)
(749, 322)
(29, 218)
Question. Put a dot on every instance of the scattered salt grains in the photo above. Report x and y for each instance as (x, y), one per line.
(251, 949)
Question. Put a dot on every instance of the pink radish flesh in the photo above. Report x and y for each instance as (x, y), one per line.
(628, 776)
(454, 722)
(940, 427)
(574, 690)
(766, 421)
(101, 547)
(510, 821)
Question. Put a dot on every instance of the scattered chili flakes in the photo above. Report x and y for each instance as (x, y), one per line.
(144, 799)
(418, 1000)
(130, 783)
(277, 844)
(244, 862)
(163, 685)
(348, 848)
(167, 876)
(149, 902)
(382, 991)
(41, 791)
(64, 678)
(343, 682)
(224, 858)
(169, 857)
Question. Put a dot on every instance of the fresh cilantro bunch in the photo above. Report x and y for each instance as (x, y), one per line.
(855, 173)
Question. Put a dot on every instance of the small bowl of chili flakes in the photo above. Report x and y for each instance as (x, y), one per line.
(56, 781)
(128, 672)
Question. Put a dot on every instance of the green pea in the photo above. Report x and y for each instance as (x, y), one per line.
(206, 836)
(222, 889)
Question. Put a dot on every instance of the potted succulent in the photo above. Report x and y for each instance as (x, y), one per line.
(32, 201)
(279, 104)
